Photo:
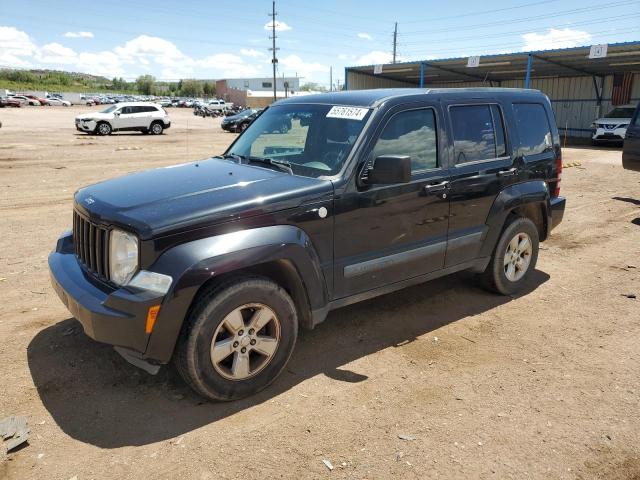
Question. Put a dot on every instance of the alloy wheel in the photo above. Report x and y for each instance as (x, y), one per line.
(518, 257)
(245, 341)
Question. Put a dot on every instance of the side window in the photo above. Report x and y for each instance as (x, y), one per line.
(636, 120)
(411, 133)
(478, 133)
(125, 110)
(533, 128)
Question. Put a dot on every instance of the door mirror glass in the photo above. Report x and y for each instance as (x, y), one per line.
(389, 169)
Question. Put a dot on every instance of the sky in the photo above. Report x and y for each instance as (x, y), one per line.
(228, 39)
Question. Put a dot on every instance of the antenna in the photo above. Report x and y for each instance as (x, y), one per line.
(274, 59)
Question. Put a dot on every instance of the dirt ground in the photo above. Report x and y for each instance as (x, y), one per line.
(545, 385)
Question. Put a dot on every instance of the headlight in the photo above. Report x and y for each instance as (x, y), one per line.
(123, 256)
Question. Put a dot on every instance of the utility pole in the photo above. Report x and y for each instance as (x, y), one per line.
(274, 59)
(331, 79)
(395, 42)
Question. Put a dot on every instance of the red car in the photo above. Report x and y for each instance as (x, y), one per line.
(43, 101)
(9, 102)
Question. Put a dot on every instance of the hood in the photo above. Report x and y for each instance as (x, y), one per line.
(160, 201)
(613, 121)
(235, 118)
(87, 116)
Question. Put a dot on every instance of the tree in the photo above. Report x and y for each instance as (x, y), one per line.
(191, 88)
(209, 89)
(312, 86)
(145, 84)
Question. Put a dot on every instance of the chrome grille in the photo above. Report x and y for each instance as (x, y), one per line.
(91, 243)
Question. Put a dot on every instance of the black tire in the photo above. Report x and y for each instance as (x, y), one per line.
(243, 127)
(156, 128)
(193, 356)
(494, 278)
(103, 128)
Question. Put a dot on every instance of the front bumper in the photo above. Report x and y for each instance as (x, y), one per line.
(609, 135)
(229, 127)
(167, 125)
(108, 314)
(89, 126)
(557, 211)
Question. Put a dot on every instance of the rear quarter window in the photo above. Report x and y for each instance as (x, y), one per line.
(534, 131)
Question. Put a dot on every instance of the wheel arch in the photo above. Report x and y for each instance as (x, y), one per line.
(529, 200)
(282, 253)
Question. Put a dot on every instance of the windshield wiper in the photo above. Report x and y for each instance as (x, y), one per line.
(232, 156)
(281, 165)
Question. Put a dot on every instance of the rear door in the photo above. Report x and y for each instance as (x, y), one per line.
(483, 165)
(631, 148)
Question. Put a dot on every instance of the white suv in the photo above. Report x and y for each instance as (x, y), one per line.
(613, 126)
(141, 116)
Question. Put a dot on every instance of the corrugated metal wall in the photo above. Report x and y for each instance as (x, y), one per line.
(573, 98)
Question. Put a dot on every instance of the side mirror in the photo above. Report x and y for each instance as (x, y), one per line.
(116, 114)
(388, 169)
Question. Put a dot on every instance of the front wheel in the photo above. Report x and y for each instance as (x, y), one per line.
(514, 258)
(103, 128)
(237, 339)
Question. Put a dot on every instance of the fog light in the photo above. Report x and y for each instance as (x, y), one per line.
(155, 282)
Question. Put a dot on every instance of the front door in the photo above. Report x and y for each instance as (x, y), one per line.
(389, 233)
(631, 148)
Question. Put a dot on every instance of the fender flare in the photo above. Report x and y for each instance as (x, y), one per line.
(512, 197)
(193, 263)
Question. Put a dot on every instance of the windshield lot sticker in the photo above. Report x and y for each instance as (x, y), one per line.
(349, 113)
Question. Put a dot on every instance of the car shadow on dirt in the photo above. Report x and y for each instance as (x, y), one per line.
(97, 397)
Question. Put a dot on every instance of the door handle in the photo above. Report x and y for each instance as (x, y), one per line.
(437, 187)
(507, 173)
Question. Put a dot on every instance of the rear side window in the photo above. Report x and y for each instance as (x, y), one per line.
(533, 128)
(636, 120)
(411, 133)
(478, 133)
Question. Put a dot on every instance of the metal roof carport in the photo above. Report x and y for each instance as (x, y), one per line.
(579, 87)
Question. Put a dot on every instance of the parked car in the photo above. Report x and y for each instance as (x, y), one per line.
(140, 116)
(240, 121)
(42, 101)
(217, 263)
(26, 100)
(58, 102)
(631, 148)
(9, 102)
(613, 126)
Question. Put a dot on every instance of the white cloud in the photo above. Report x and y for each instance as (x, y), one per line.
(554, 38)
(16, 48)
(79, 34)
(374, 57)
(252, 52)
(365, 36)
(280, 26)
(309, 70)
(228, 64)
(148, 54)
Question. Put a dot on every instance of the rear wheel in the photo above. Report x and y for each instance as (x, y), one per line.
(103, 128)
(156, 128)
(514, 257)
(237, 339)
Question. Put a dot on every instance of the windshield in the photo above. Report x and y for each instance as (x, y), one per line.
(109, 109)
(620, 113)
(314, 139)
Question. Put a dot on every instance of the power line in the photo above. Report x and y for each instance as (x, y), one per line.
(522, 19)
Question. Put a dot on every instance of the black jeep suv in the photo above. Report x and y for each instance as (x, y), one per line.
(217, 263)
